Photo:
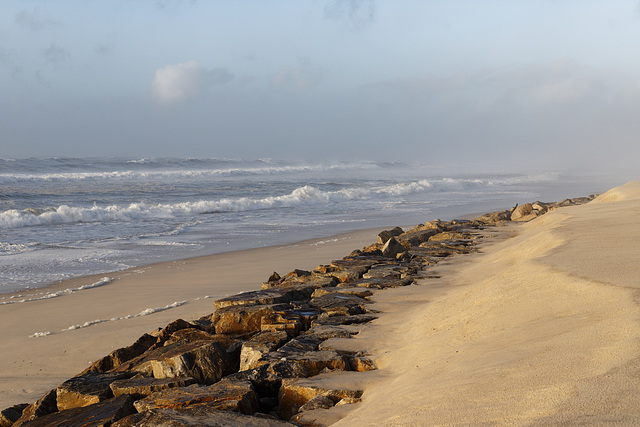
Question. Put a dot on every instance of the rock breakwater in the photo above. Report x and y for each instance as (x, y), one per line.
(249, 362)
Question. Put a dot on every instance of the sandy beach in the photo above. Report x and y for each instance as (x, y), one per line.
(33, 366)
(539, 328)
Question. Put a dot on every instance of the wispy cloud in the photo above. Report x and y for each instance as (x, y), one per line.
(357, 13)
(35, 20)
(179, 82)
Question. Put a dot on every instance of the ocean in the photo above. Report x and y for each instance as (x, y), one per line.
(68, 217)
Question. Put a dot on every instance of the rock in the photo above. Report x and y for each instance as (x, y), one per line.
(449, 235)
(313, 361)
(11, 415)
(385, 235)
(163, 334)
(205, 361)
(142, 387)
(259, 345)
(359, 292)
(87, 389)
(324, 332)
(121, 355)
(227, 395)
(392, 248)
(382, 283)
(281, 321)
(334, 304)
(294, 393)
(344, 320)
(521, 211)
(198, 416)
(99, 414)
(361, 364)
(317, 402)
(261, 297)
(390, 271)
(417, 236)
(243, 319)
(348, 401)
(47, 404)
(493, 217)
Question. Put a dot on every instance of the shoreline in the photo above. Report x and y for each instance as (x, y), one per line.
(35, 365)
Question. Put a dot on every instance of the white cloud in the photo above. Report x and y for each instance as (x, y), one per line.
(178, 82)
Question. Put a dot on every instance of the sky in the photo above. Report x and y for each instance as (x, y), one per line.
(522, 83)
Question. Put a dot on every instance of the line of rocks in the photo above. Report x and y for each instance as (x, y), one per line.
(245, 364)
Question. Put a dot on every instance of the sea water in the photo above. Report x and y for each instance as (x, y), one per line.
(68, 217)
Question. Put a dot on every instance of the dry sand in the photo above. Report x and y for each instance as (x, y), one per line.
(32, 366)
(540, 329)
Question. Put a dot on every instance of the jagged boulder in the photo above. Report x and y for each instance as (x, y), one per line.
(344, 320)
(347, 290)
(382, 283)
(392, 248)
(335, 304)
(11, 415)
(243, 319)
(313, 361)
(142, 387)
(205, 361)
(294, 393)
(47, 404)
(99, 414)
(196, 416)
(121, 355)
(259, 345)
(237, 396)
(522, 212)
(87, 389)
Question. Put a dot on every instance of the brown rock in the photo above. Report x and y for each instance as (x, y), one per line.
(142, 387)
(313, 361)
(392, 248)
(417, 236)
(449, 235)
(361, 364)
(259, 345)
(294, 393)
(243, 319)
(317, 402)
(205, 361)
(344, 320)
(281, 321)
(87, 389)
(359, 292)
(521, 211)
(99, 414)
(494, 217)
(381, 283)
(237, 396)
(11, 415)
(121, 355)
(198, 416)
(334, 304)
(47, 404)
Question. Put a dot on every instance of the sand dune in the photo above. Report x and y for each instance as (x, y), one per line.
(540, 329)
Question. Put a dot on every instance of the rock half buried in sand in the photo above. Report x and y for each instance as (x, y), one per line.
(237, 396)
(296, 392)
(99, 414)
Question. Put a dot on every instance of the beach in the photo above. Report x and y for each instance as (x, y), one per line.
(538, 328)
(33, 366)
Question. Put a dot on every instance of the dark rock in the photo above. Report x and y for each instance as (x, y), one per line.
(392, 248)
(294, 393)
(142, 387)
(47, 404)
(196, 416)
(227, 395)
(324, 332)
(258, 346)
(243, 319)
(313, 361)
(417, 236)
(121, 355)
(96, 415)
(281, 321)
(11, 415)
(87, 389)
(317, 402)
(382, 283)
(344, 320)
(359, 292)
(389, 271)
(205, 361)
(335, 304)
(449, 235)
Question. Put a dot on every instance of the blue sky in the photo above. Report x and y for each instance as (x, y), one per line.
(531, 82)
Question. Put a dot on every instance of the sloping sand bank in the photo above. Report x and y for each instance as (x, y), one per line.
(541, 329)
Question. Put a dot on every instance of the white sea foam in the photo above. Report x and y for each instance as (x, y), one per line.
(39, 296)
(40, 334)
